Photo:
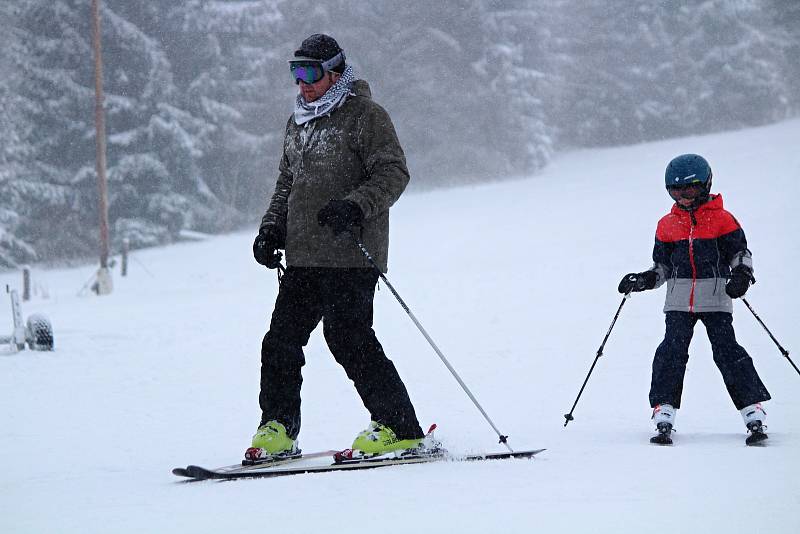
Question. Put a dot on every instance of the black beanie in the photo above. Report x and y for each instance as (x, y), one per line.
(322, 47)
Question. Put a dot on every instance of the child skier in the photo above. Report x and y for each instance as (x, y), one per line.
(698, 246)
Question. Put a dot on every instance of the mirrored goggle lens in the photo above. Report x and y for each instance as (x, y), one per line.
(686, 191)
(306, 72)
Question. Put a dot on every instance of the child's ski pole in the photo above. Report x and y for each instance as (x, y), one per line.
(780, 348)
(568, 416)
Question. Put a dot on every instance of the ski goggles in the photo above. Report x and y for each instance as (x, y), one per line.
(309, 70)
(306, 71)
(689, 191)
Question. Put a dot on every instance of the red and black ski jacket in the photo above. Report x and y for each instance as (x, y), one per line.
(694, 253)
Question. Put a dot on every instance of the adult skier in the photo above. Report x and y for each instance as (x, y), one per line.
(701, 253)
(342, 168)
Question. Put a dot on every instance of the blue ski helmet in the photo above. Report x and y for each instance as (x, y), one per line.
(688, 169)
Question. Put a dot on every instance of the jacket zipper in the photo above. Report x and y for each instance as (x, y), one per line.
(691, 261)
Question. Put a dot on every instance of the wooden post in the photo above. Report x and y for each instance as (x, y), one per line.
(26, 283)
(100, 144)
(126, 247)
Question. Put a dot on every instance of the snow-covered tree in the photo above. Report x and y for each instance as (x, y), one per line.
(198, 93)
(515, 66)
(229, 73)
(154, 145)
(785, 16)
(14, 131)
(728, 70)
(643, 70)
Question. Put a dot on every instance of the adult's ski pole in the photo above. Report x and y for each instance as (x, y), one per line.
(365, 252)
(568, 416)
(275, 263)
(780, 348)
(281, 270)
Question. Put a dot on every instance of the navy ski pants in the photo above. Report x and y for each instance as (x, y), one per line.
(669, 365)
(342, 300)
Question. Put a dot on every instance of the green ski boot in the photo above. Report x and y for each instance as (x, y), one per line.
(379, 439)
(271, 443)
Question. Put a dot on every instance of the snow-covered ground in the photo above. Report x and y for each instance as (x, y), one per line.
(516, 281)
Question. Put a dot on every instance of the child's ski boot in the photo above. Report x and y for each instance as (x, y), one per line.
(757, 435)
(754, 418)
(664, 417)
(664, 436)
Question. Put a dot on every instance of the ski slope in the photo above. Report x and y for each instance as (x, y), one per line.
(516, 281)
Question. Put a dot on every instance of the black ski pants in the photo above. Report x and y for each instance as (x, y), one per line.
(342, 299)
(669, 365)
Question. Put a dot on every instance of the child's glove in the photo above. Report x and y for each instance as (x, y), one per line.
(741, 278)
(637, 282)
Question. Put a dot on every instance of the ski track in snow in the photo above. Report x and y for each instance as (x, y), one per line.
(516, 282)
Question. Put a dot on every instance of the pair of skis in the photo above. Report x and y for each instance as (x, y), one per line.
(755, 439)
(291, 465)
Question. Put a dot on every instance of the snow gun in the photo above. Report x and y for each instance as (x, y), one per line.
(37, 332)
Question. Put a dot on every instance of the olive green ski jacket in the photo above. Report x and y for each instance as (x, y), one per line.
(353, 154)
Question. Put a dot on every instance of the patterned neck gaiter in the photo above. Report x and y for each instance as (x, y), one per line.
(331, 100)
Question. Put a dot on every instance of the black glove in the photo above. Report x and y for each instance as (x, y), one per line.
(340, 215)
(741, 277)
(637, 282)
(266, 245)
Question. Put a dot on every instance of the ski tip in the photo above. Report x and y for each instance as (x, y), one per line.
(756, 441)
(503, 455)
(201, 473)
(181, 472)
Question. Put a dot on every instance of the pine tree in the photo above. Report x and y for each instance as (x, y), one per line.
(156, 187)
(728, 70)
(642, 70)
(226, 66)
(515, 67)
(198, 94)
(14, 130)
(784, 15)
